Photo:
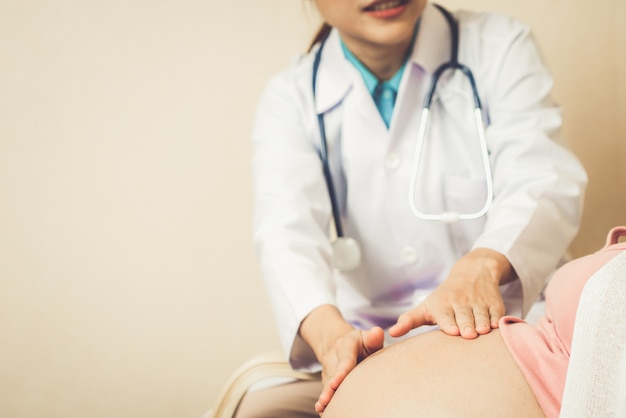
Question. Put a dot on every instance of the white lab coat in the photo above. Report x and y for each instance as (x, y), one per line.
(538, 184)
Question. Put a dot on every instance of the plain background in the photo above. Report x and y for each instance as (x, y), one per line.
(128, 280)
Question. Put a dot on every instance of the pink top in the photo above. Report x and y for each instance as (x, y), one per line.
(542, 351)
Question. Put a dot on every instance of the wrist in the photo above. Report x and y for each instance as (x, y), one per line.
(321, 328)
(496, 263)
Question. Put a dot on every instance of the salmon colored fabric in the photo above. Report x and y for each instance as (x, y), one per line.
(542, 351)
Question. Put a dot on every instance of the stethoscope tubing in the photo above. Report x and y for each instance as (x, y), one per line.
(449, 216)
(323, 150)
(453, 64)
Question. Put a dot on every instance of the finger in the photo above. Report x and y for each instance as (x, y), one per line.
(408, 321)
(464, 317)
(324, 400)
(447, 322)
(496, 312)
(342, 369)
(319, 408)
(328, 391)
(482, 320)
(373, 340)
(403, 325)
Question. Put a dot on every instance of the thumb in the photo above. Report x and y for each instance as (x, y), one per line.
(410, 320)
(373, 340)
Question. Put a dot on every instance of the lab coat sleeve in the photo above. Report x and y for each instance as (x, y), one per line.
(538, 184)
(291, 214)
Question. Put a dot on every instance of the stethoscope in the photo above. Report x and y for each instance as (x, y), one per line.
(346, 250)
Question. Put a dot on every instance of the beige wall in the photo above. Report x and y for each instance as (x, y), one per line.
(128, 283)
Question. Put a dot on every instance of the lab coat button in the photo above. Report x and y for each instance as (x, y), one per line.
(409, 254)
(392, 161)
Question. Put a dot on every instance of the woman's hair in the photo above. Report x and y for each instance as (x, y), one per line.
(321, 35)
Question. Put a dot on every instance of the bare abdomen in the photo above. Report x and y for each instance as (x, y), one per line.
(436, 375)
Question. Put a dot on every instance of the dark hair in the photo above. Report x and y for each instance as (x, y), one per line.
(321, 35)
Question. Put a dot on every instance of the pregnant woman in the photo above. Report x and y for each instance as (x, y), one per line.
(517, 370)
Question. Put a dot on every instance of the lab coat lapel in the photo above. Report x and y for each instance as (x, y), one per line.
(339, 83)
(432, 46)
(333, 78)
(431, 49)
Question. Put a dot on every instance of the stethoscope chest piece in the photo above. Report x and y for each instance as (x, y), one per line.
(346, 254)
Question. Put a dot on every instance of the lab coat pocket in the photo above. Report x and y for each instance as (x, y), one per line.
(465, 195)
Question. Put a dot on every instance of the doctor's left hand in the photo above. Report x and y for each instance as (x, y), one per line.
(468, 303)
(338, 346)
(349, 350)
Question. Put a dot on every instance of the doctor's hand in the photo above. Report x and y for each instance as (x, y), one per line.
(468, 303)
(338, 346)
(347, 352)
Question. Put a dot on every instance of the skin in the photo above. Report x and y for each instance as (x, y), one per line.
(437, 375)
(380, 44)
(468, 303)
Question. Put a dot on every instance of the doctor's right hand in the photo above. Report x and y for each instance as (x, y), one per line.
(468, 303)
(338, 346)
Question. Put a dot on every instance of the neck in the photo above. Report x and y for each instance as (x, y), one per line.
(382, 61)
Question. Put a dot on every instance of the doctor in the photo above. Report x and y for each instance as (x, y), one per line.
(371, 78)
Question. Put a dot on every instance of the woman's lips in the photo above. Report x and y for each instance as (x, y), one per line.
(386, 8)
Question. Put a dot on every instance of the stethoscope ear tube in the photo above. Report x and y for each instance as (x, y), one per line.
(450, 216)
(452, 65)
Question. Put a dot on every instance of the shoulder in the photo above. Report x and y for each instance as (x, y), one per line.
(293, 82)
(499, 47)
(490, 25)
(287, 98)
(487, 36)
(294, 85)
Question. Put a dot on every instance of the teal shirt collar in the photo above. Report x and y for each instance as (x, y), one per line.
(370, 79)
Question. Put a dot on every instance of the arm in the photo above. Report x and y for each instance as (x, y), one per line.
(539, 183)
(291, 216)
(538, 187)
